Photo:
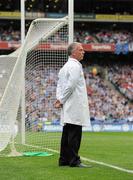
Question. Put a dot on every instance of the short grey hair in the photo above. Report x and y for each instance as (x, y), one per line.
(71, 47)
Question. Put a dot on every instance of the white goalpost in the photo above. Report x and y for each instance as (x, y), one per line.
(28, 120)
(26, 107)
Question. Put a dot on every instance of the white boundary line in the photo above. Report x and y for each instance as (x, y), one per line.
(90, 160)
(108, 165)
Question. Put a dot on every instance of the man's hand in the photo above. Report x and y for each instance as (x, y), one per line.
(57, 104)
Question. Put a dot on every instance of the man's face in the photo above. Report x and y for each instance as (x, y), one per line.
(78, 52)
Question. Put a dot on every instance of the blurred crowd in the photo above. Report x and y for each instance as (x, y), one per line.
(84, 36)
(105, 103)
(122, 78)
(104, 36)
(10, 34)
(114, 37)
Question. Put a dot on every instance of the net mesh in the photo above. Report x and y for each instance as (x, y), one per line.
(41, 57)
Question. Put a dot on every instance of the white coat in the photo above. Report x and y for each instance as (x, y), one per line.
(72, 93)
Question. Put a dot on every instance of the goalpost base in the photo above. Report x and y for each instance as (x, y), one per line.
(14, 153)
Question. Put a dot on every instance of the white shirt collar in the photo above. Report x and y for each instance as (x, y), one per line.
(72, 59)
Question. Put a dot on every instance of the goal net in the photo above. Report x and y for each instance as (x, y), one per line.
(28, 120)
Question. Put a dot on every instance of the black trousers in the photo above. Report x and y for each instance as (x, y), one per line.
(70, 144)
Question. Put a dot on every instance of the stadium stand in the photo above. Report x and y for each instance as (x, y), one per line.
(83, 36)
(99, 92)
(105, 104)
(121, 77)
(9, 35)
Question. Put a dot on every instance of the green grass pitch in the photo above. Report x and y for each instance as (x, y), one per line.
(113, 148)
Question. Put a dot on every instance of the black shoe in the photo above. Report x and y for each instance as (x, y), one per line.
(81, 165)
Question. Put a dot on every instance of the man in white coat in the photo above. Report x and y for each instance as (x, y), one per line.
(72, 99)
